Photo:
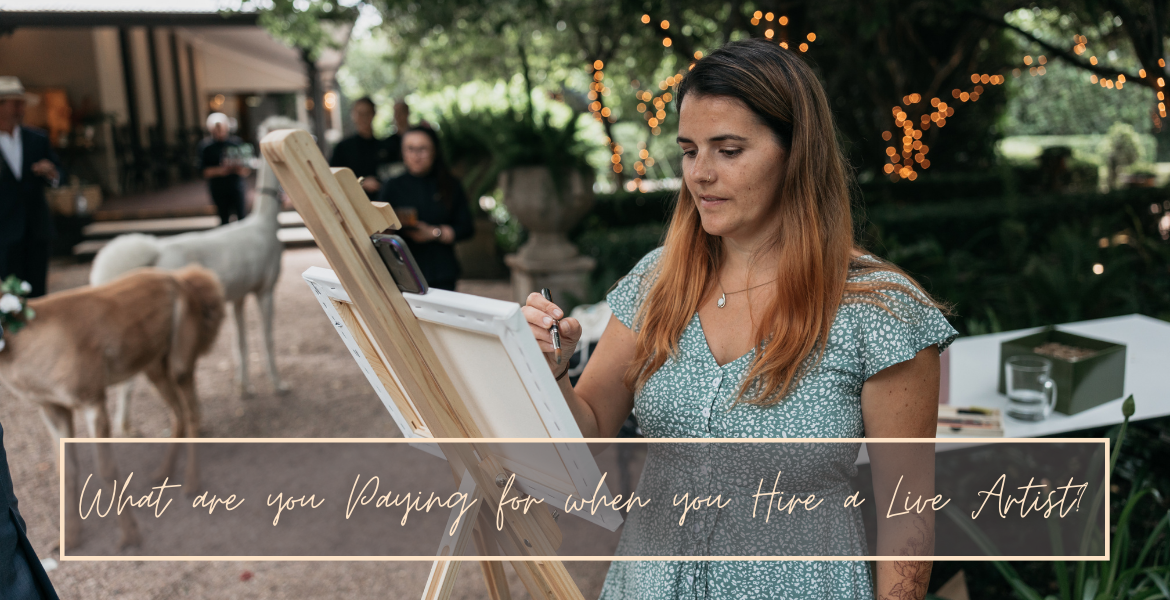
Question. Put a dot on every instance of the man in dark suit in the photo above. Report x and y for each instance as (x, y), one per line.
(27, 165)
(24, 251)
(21, 574)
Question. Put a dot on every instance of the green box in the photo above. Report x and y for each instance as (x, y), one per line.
(1080, 384)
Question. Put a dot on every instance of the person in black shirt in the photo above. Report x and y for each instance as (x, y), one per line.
(443, 216)
(224, 174)
(362, 152)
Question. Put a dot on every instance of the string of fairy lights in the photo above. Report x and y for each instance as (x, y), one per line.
(764, 19)
(652, 104)
(905, 161)
(597, 92)
(900, 165)
(1160, 86)
(912, 118)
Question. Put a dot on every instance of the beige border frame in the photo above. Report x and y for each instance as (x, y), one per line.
(966, 442)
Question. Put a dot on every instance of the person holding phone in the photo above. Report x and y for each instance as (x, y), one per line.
(437, 199)
(760, 317)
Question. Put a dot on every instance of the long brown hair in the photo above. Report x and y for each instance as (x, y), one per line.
(815, 245)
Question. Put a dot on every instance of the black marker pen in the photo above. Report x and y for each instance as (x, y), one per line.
(556, 333)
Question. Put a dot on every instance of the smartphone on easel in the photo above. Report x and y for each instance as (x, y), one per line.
(400, 262)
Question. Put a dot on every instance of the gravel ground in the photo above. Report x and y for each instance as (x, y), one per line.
(329, 398)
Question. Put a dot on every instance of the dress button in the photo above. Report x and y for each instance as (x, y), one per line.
(698, 528)
(715, 382)
(706, 413)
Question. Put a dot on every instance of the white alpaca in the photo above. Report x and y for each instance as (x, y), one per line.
(245, 255)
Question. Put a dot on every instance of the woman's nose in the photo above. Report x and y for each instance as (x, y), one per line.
(701, 171)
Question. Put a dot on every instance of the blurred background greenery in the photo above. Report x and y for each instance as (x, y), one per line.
(1040, 200)
(1031, 189)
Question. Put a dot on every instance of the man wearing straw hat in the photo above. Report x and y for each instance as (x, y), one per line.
(28, 165)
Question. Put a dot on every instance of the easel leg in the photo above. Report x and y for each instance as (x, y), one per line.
(547, 580)
(459, 530)
(493, 570)
(441, 580)
(544, 579)
(486, 527)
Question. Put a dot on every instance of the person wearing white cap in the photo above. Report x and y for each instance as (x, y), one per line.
(223, 174)
(28, 165)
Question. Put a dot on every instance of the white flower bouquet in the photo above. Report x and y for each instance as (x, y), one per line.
(14, 310)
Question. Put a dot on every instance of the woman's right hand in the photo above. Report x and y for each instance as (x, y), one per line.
(541, 314)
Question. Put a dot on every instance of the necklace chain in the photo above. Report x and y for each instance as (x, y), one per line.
(744, 289)
(723, 294)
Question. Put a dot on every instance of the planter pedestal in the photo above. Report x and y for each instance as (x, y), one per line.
(567, 280)
(548, 259)
(478, 255)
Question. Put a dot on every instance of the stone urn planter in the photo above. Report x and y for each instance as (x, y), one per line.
(548, 258)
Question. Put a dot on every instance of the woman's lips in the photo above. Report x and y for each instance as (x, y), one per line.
(711, 201)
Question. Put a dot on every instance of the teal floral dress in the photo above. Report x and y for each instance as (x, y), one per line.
(691, 396)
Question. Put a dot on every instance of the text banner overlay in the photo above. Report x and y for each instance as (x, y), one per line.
(645, 500)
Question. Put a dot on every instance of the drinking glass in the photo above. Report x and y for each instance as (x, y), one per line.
(407, 215)
(1031, 391)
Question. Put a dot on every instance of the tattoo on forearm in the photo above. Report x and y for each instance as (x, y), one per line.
(912, 578)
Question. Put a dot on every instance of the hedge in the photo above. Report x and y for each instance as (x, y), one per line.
(1003, 262)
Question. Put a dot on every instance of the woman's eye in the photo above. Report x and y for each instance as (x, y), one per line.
(689, 153)
(731, 151)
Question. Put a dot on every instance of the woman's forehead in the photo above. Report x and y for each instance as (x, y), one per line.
(416, 136)
(698, 115)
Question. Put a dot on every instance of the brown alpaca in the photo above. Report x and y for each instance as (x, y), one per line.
(150, 321)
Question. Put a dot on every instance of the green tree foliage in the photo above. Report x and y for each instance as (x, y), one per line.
(872, 56)
(306, 25)
(1063, 102)
(1067, 99)
(1123, 147)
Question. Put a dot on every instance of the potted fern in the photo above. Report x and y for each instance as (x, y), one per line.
(548, 186)
(546, 182)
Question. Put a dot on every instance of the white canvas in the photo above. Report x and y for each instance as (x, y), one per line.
(500, 373)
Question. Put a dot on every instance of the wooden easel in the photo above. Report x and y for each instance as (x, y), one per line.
(341, 218)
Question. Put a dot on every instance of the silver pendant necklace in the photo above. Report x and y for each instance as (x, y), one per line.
(723, 295)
